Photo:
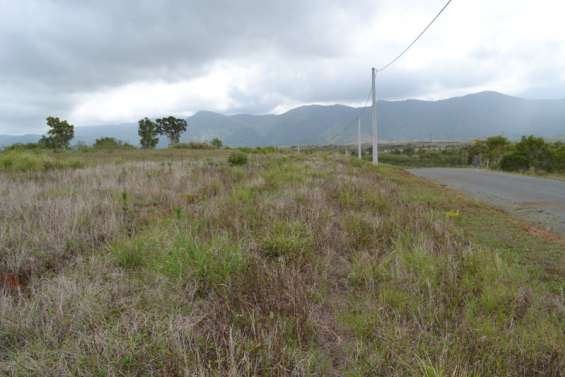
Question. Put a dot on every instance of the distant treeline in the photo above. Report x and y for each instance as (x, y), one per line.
(61, 133)
(531, 153)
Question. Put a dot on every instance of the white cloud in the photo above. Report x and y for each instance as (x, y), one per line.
(155, 98)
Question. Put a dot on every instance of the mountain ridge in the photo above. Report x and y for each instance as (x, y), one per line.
(465, 117)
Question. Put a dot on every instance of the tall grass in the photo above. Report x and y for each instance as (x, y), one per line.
(28, 161)
(290, 266)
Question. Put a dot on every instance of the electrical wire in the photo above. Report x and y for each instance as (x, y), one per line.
(386, 66)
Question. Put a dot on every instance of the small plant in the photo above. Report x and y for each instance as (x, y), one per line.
(237, 159)
(127, 216)
(216, 143)
(288, 239)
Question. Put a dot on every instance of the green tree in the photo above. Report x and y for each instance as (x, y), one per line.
(476, 153)
(496, 148)
(172, 127)
(216, 143)
(559, 156)
(537, 151)
(59, 135)
(515, 161)
(148, 133)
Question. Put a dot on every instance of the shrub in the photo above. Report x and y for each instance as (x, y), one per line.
(237, 158)
(216, 143)
(192, 145)
(111, 143)
(536, 151)
(515, 162)
(559, 157)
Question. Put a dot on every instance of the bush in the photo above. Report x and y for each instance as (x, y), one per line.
(216, 143)
(237, 158)
(111, 143)
(515, 162)
(537, 152)
(559, 154)
(192, 145)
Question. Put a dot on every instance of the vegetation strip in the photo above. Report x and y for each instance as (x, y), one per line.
(269, 264)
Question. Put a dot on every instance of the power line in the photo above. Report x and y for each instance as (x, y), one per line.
(417, 38)
(386, 66)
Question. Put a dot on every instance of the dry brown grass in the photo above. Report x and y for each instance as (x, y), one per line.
(286, 266)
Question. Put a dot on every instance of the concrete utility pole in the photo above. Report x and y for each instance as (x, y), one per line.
(359, 152)
(374, 118)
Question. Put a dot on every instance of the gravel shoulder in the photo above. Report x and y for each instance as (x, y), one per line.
(539, 200)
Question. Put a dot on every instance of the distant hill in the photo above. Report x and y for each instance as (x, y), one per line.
(461, 118)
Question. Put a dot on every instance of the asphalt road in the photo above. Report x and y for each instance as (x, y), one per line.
(539, 200)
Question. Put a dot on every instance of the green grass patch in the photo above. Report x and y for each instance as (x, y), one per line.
(181, 255)
(29, 161)
(237, 159)
(289, 239)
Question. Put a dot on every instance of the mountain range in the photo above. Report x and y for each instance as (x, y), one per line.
(460, 118)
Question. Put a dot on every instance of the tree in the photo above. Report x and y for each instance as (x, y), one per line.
(537, 151)
(476, 152)
(172, 127)
(559, 156)
(515, 161)
(496, 148)
(59, 135)
(148, 133)
(216, 143)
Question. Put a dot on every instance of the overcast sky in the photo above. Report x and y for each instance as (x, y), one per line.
(110, 61)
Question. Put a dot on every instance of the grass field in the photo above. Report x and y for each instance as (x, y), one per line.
(180, 263)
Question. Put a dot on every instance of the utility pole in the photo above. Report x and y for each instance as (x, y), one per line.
(374, 118)
(359, 152)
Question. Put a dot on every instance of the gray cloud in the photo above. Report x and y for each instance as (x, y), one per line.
(63, 56)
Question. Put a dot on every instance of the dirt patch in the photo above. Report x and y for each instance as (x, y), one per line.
(542, 233)
(13, 282)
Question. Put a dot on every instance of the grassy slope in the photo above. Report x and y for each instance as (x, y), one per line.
(291, 265)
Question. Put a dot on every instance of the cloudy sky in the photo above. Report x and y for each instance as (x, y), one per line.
(111, 61)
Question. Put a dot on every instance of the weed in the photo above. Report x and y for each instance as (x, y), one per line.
(287, 239)
(237, 159)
